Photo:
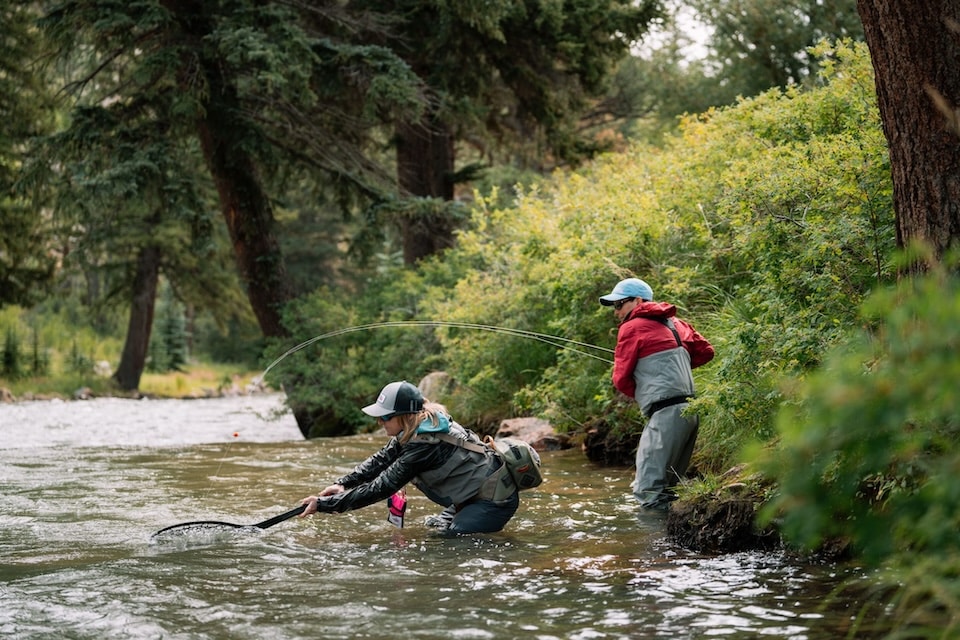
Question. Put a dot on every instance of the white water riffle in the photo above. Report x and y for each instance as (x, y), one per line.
(83, 485)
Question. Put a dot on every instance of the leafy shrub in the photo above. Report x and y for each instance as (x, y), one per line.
(63, 342)
(766, 224)
(348, 355)
(867, 447)
(868, 450)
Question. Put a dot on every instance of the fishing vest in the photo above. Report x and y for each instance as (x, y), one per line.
(465, 475)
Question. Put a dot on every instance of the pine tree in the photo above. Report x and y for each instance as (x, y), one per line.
(511, 79)
(27, 258)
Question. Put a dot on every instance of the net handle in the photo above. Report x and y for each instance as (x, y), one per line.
(269, 522)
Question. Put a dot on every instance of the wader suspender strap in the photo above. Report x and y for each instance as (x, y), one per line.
(668, 323)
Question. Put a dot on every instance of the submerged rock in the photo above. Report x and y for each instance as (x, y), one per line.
(539, 433)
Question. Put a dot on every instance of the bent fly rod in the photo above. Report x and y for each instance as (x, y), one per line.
(556, 341)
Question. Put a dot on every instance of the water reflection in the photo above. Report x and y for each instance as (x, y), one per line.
(577, 562)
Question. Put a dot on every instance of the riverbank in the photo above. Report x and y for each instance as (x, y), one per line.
(720, 514)
(196, 381)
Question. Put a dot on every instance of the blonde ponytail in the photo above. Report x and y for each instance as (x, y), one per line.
(411, 421)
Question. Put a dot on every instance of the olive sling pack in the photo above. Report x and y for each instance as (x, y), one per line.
(521, 461)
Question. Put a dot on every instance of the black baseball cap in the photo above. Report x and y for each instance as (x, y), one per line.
(396, 397)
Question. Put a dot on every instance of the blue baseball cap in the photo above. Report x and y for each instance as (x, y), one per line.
(629, 288)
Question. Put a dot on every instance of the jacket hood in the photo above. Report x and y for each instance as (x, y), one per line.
(442, 426)
(653, 310)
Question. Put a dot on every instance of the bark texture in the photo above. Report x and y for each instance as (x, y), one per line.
(425, 167)
(915, 49)
(140, 324)
(246, 210)
(225, 137)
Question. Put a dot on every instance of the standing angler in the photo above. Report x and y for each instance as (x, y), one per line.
(652, 363)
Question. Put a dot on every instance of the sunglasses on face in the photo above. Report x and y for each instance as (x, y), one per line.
(386, 418)
(619, 303)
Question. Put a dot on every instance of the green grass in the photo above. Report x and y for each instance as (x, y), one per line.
(197, 380)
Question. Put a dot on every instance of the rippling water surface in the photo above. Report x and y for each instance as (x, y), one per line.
(84, 485)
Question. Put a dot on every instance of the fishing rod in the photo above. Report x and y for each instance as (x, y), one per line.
(556, 341)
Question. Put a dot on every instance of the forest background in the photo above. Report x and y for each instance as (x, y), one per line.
(410, 189)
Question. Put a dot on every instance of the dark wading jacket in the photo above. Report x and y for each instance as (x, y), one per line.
(446, 473)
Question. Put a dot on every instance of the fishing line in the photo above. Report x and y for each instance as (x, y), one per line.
(556, 341)
(223, 457)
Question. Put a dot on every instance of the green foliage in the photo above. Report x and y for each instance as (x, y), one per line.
(735, 49)
(11, 365)
(867, 447)
(766, 223)
(62, 343)
(169, 341)
(78, 362)
(344, 368)
(27, 255)
(516, 76)
(304, 86)
(758, 44)
(801, 228)
(762, 222)
(39, 357)
(126, 183)
(236, 341)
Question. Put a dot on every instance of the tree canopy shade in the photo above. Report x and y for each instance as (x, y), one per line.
(250, 88)
(759, 44)
(503, 77)
(27, 260)
(915, 49)
(133, 207)
(253, 85)
(711, 53)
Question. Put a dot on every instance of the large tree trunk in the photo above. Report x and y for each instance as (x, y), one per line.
(225, 137)
(916, 55)
(250, 221)
(425, 161)
(246, 208)
(142, 304)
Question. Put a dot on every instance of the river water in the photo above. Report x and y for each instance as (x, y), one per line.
(84, 485)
